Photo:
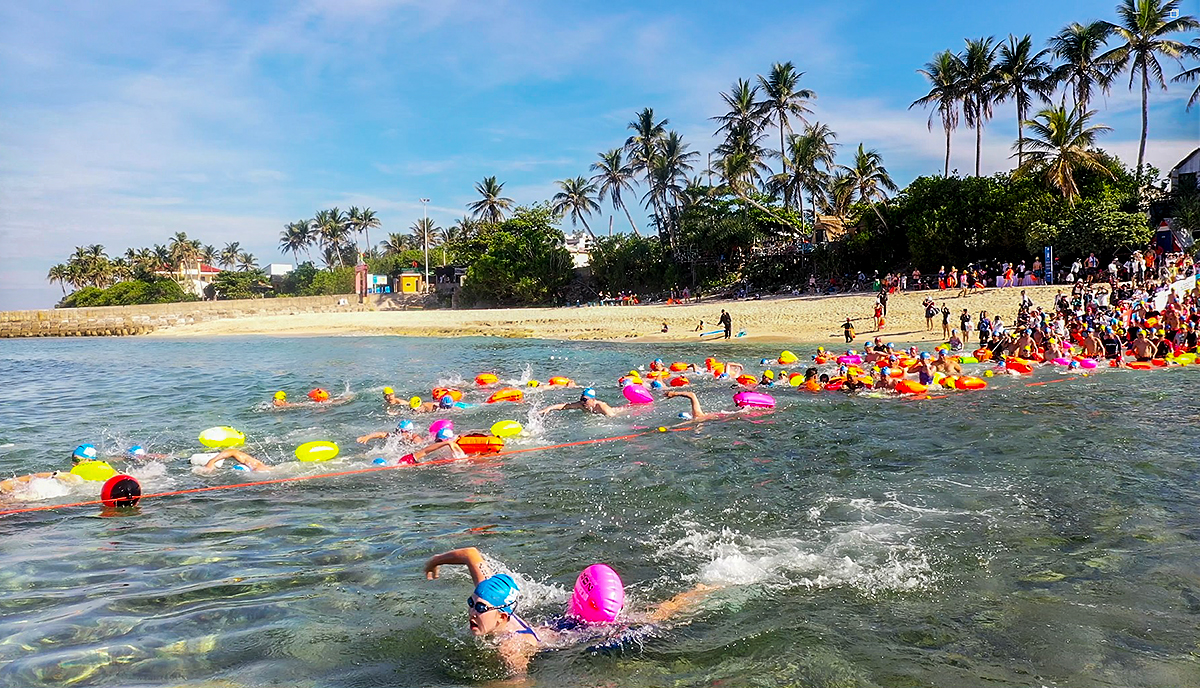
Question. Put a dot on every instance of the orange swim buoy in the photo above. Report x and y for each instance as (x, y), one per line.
(747, 380)
(679, 381)
(439, 392)
(480, 443)
(678, 367)
(485, 379)
(1018, 365)
(910, 387)
(812, 385)
(507, 394)
(319, 394)
(1140, 365)
(969, 382)
(559, 381)
(1159, 362)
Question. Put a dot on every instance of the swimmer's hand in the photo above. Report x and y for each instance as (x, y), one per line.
(466, 556)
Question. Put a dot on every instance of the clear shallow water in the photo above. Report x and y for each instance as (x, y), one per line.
(1018, 536)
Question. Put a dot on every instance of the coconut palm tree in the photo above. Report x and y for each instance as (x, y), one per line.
(59, 273)
(425, 230)
(208, 253)
(612, 177)
(945, 93)
(332, 228)
(809, 157)
(1079, 47)
(1192, 74)
(979, 82)
(642, 147)
(1143, 30)
(491, 207)
(1023, 73)
(465, 228)
(742, 108)
(576, 199)
(783, 99)
(840, 194)
(246, 262)
(871, 178)
(363, 220)
(227, 257)
(295, 237)
(1060, 143)
(396, 244)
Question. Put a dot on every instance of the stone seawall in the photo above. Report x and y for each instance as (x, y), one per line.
(128, 320)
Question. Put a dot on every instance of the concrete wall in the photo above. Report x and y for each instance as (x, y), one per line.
(126, 320)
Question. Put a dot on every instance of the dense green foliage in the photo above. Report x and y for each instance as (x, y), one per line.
(521, 260)
(127, 294)
(229, 285)
(307, 280)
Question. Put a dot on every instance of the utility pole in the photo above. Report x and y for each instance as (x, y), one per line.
(425, 226)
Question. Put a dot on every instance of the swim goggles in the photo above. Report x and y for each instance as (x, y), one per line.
(478, 606)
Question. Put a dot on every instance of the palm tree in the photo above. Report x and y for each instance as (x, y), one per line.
(1078, 46)
(1062, 142)
(1144, 27)
(332, 228)
(465, 228)
(491, 207)
(871, 178)
(246, 262)
(945, 79)
(1023, 73)
(208, 253)
(783, 99)
(612, 177)
(742, 108)
(59, 273)
(839, 194)
(295, 237)
(364, 221)
(809, 157)
(977, 67)
(396, 244)
(1192, 74)
(642, 147)
(423, 230)
(228, 256)
(576, 199)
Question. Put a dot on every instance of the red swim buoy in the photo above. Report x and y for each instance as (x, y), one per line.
(121, 491)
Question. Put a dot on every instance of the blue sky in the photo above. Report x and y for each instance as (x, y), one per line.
(122, 123)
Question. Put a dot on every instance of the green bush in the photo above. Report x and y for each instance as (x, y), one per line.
(524, 262)
(132, 292)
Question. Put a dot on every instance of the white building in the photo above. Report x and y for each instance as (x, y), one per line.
(579, 245)
(1184, 175)
(279, 270)
(193, 276)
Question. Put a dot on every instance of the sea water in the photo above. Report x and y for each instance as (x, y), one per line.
(1015, 536)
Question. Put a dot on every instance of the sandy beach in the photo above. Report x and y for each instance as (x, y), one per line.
(793, 318)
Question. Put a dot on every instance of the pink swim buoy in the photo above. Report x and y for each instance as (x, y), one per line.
(1086, 363)
(599, 595)
(754, 400)
(849, 359)
(637, 394)
(438, 425)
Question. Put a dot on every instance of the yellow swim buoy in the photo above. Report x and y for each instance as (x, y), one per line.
(222, 436)
(94, 471)
(318, 450)
(506, 428)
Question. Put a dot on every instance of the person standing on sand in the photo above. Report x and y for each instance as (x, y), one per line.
(848, 327)
(945, 320)
(726, 322)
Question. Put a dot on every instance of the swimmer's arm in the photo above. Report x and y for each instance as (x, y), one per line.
(681, 602)
(553, 407)
(371, 436)
(517, 651)
(465, 556)
(426, 451)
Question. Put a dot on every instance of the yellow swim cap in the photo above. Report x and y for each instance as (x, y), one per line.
(281, 395)
(532, 383)
(820, 349)
(769, 375)
(415, 402)
(388, 390)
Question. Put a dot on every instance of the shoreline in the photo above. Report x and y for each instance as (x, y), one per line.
(807, 318)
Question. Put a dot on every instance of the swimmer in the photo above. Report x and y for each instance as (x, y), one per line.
(138, 453)
(445, 440)
(768, 379)
(404, 430)
(697, 414)
(1143, 348)
(418, 406)
(657, 364)
(243, 459)
(884, 380)
(390, 398)
(280, 400)
(492, 611)
(948, 366)
(923, 368)
(587, 402)
(84, 453)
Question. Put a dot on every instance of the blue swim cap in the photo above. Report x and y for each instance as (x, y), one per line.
(656, 384)
(762, 361)
(137, 450)
(239, 467)
(379, 461)
(588, 393)
(447, 401)
(404, 425)
(885, 371)
(84, 452)
(499, 591)
(444, 434)
(924, 354)
(685, 415)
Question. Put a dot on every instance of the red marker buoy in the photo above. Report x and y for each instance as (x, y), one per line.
(121, 490)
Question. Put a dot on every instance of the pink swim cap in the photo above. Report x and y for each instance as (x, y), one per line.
(599, 595)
